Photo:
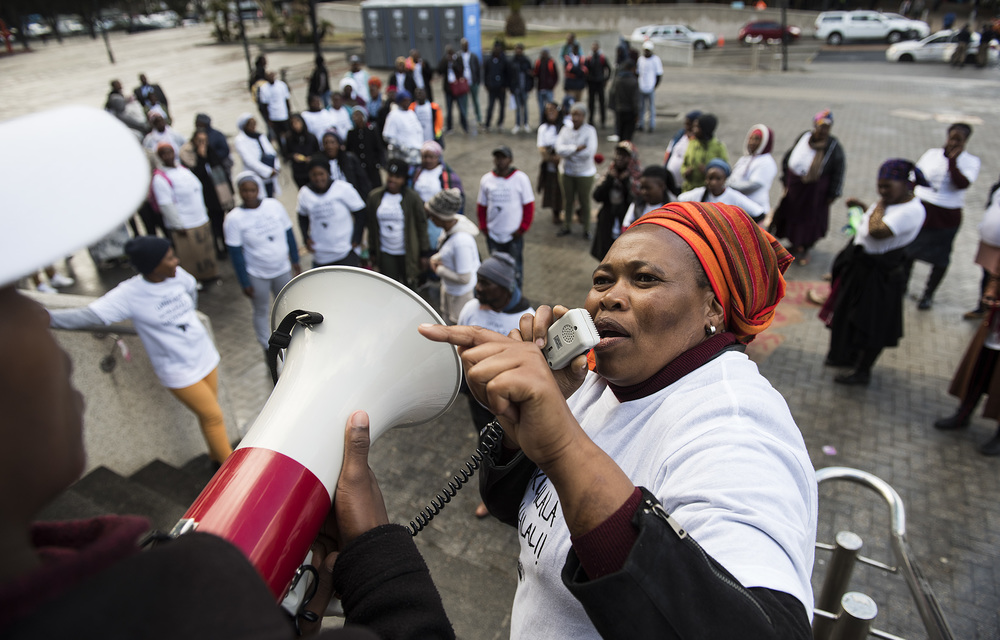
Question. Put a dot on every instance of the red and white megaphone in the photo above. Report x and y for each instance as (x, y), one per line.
(272, 495)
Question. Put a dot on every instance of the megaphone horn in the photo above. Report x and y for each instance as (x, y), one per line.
(273, 493)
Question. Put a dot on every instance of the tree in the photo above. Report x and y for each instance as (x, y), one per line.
(515, 27)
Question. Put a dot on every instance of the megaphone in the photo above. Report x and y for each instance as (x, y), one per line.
(273, 493)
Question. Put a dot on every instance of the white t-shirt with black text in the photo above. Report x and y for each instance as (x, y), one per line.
(504, 199)
(163, 313)
(391, 224)
(331, 224)
(262, 233)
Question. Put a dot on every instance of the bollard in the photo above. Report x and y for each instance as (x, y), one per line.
(855, 618)
(835, 584)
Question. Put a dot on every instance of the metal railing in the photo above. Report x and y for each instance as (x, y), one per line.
(855, 611)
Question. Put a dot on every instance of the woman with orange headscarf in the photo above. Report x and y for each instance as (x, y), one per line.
(670, 473)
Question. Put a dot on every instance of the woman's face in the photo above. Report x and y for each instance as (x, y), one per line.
(696, 130)
(753, 142)
(166, 155)
(956, 142)
(893, 191)
(250, 126)
(652, 190)
(358, 118)
(249, 193)
(647, 305)
(715, 181)
(394, 184)
(551, 112)
(167, 267)
(297, 125)
(578, 118)
(621, 159)
(429, 159)
(200, 139)
(319, 178)
(821, 132)
(331, 146)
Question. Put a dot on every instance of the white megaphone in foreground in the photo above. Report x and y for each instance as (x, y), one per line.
(272, 495)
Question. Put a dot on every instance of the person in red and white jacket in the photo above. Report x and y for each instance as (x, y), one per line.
(506, 207)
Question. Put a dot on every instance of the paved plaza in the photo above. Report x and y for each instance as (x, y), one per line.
(881, 111)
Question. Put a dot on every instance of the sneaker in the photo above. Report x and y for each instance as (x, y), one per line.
(613, 138)
(59, 280)
(586, 235)
(563, 232)
(925, 303)
(45, 287)
(975, 314)
(516, 130)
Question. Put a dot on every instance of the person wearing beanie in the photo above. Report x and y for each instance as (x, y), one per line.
(498, 306)
(702, 148)
(397, 228)
(717, 171)
(161, 303)
(262, 248)
(457, 257)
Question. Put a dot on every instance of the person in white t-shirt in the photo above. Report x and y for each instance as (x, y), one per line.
(649, 70)
(262, 248)
(865, 312)
(397, 228)
(498, 306)
(276, 98)
(673, 157)
(179, 197)
(950, 170)
(331, 217)
(403, 130)
(340, 116)
(505, 207)
(161, 303)
(577, 145)
(715, 190)
(159, 132)
(318, 120)
(457, 257)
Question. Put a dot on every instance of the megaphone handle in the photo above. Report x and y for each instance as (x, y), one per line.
(489, 443)
(281, 337)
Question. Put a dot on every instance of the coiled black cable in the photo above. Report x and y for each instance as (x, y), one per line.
(489, 443)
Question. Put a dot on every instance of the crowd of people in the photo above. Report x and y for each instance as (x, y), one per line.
(690, 268)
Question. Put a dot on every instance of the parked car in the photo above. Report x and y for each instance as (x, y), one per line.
(837, 26)
(767, 30)
(938, 48)
(674, 33)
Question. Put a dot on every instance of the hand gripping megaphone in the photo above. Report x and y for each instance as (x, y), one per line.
(273, 493)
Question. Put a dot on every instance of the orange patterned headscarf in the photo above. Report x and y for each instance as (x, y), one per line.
(743, 263)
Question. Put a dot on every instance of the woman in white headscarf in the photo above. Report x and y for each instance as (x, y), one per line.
(258, 154)
(756, 170)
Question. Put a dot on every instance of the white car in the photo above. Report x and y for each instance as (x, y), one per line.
(837, 26)
(674, 33)
(937, 48)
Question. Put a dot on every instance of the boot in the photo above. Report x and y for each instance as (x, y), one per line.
(861, 377)
(992, 446)
(958, 421)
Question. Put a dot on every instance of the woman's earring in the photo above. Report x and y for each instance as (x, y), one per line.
(710, 330)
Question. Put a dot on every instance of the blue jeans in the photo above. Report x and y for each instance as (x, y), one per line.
(521, 109)
(463, 108)
(544, 97)
(646, 102)
(514, 248)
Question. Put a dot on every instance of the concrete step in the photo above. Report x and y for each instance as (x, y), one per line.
(176, 485)
(71, 505)
(115, 494)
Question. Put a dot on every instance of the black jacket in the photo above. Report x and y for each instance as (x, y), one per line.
(834, 165)
(625, 93)
(496, 72)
